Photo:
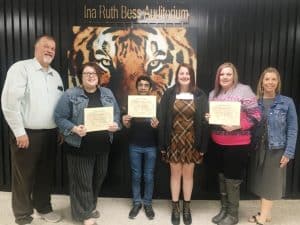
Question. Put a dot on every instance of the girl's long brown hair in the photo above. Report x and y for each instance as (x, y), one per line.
(192, 85)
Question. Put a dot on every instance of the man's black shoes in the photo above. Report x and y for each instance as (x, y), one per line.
(149, 212)
(134, 211)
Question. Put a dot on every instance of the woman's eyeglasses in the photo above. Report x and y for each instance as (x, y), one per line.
(89, 74)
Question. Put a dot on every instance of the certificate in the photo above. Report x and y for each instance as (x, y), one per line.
(142, 106)
(224, 113)
(98, 118)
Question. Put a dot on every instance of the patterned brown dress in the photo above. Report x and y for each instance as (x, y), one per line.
(182, 148)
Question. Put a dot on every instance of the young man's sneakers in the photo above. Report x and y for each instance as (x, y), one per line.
(149, 212)
(136, 209)
(51, 217)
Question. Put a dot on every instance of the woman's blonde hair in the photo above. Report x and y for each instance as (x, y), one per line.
(260, 89)
(218, 87)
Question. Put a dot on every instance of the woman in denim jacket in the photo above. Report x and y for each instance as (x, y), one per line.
(87, 152)
(277, 146)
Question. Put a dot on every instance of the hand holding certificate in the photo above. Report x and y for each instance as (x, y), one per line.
(224, 113)
(143, 106)
(98, 118)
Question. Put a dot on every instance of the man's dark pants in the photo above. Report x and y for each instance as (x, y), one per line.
(32, 174)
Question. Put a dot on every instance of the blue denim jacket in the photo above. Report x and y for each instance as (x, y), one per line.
(69, 112)
(282, 125)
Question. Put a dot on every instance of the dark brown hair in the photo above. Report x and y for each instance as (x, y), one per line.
(145, 78)
(192, 85)
(94, 65)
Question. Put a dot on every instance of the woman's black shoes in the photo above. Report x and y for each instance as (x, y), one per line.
(175, 217)
(186, 213)
(95, 214)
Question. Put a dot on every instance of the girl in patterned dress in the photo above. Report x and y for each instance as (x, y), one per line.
(183, 136)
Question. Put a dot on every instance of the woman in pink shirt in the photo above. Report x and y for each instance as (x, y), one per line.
(232, 142)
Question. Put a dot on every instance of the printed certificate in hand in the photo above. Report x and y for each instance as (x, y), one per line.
(224, 113)
(142, 106)
(98, 118)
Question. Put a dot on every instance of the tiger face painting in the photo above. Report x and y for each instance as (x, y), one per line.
(126, 53)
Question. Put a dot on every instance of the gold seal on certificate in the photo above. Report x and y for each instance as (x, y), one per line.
(224, 113)
(98, 118)
(143, 106)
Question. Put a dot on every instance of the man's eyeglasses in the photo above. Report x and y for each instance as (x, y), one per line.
(143, 85)
(89, 74)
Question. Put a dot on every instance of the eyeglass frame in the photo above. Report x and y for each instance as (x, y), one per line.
(88, 74)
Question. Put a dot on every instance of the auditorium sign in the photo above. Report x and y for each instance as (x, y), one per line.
(123, 13)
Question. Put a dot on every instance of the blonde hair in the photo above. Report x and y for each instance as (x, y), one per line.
(260, 89)
(218, 87)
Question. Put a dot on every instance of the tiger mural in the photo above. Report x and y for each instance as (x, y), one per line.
(126, 53)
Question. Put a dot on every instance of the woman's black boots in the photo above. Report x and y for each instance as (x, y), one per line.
(233, 192)
(175, 217)
(223, 197)
(186, 213)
